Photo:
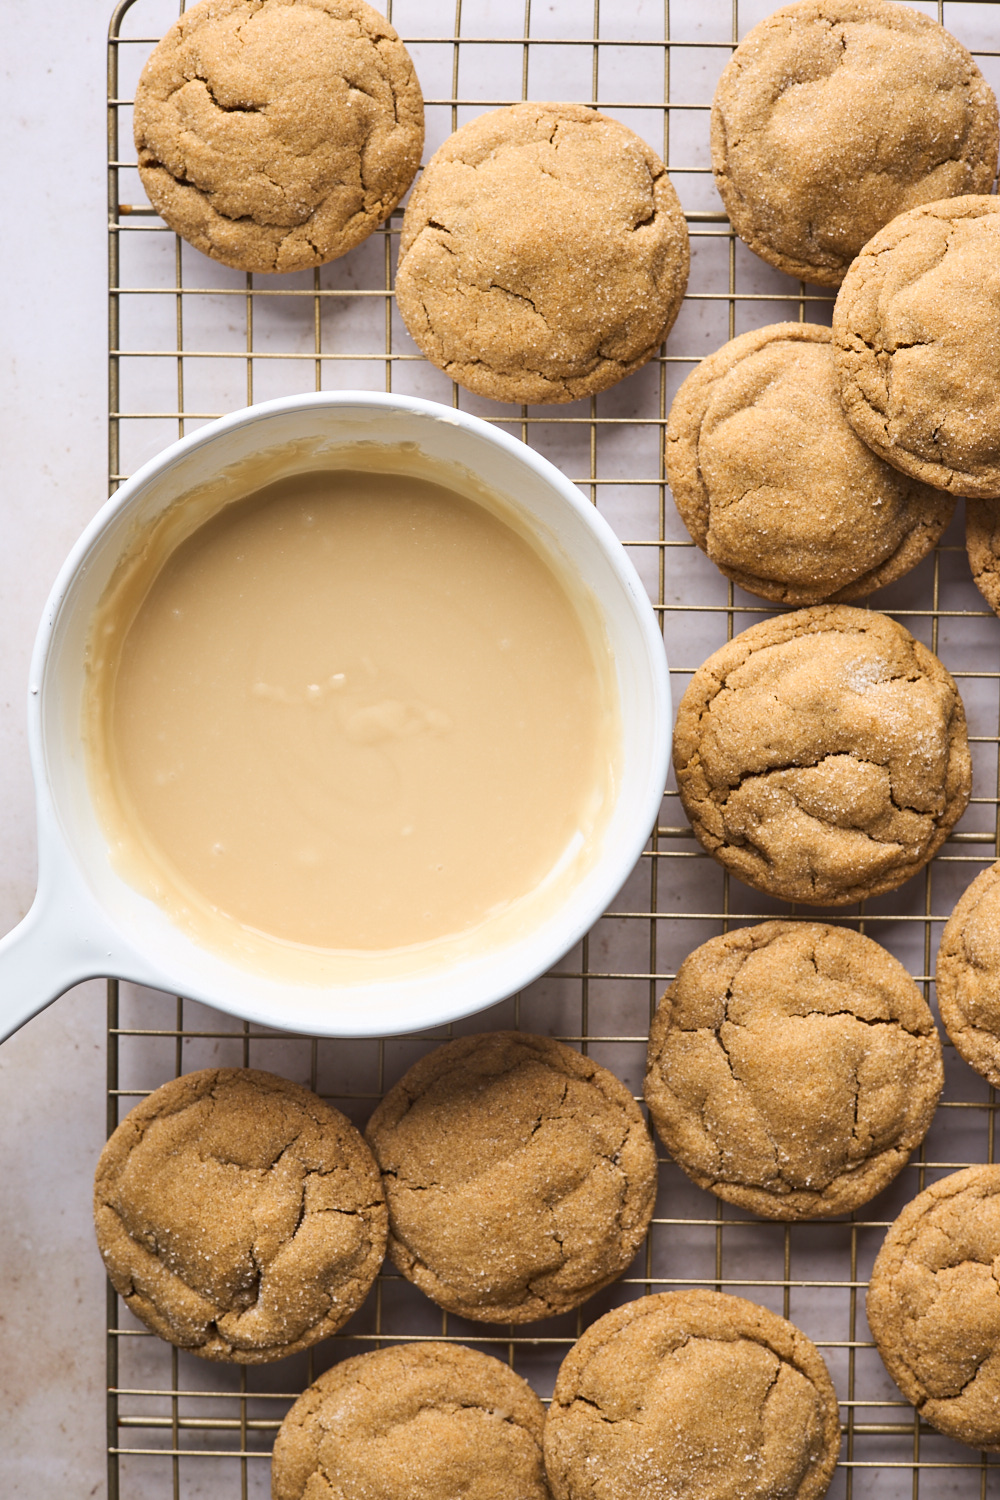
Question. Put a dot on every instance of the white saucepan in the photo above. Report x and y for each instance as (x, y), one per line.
(87, 920)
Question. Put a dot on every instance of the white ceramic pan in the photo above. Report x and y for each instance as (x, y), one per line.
(87, 921)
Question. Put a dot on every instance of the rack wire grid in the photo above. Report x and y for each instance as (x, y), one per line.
(190, 340)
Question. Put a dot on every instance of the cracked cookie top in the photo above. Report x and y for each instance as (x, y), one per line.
(239, 1216)
(917, 329)
(520, 1176)
(823, 756)
(696, 1394)
(544, 254)
(982, 543)
(968, 975)
(934, 1305)
(275, 134)
(834, 116)
(792, 1068)
(773, 484)
(430, 1420)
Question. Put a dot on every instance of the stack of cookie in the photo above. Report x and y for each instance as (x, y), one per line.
(687, 1393)
(822, 756)
(242, 1218)
(544, 254)
(854, 144)
(815, 465)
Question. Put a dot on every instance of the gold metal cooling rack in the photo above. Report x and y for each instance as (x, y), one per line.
(190, 340)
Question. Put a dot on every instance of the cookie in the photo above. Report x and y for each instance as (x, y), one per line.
(433, 1421)
(520, 1176)
(773, 484)
(695, 1394)
(276, 134)
(968, 975)
(982, 543)
(239, 1216)
(934, 1305)
(544, 254)
(834, 116)
(792, 1068)
(917, 329)
(823, 756)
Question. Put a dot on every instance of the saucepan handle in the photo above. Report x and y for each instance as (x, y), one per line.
(43, 956)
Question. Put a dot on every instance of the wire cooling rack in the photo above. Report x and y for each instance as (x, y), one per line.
(190, 340)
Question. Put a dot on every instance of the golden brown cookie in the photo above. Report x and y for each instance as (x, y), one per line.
(792, 1068)
(773, 484)
(520, 1176)
(834, 116)
(982, 543)
(413, 1422)
(276, 134)
(544, 254)
(934, 1305)
(917, 329)
(695, 1394)
(239, 1216)
(968, 975)
(823, 756)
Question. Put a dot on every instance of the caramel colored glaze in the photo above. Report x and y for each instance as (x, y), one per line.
(353, 711)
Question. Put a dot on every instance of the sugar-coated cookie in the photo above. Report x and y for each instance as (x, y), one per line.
(793, 1067)
(544, 254)
(934, 1305)
(834, 116)
(434, 1421)
(520, 1176)
(276, 134)
(823, 756)
(982, 543)
(917, 329)
(695, 1394)
(239, 1216)
(775, 486)
(968, 975)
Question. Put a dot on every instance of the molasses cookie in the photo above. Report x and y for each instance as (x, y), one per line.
(239, 1216)
(544, 254)
(968, 975)
(520, 1176)
(694, 1394)
(934, 1305)
(433, 1421)
(276, 134)
(834, 116)
(792, 1068)
(773, 484)
(917, 330)
(823, 756)
(982, 543)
